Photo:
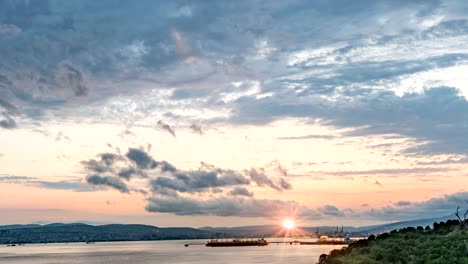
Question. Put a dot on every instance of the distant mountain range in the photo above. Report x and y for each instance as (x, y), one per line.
(16, 234)
(269, 230)
(78, 232)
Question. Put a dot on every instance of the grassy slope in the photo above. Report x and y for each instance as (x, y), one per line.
(443, 244)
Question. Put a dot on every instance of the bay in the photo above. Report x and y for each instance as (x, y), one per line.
(145, 252)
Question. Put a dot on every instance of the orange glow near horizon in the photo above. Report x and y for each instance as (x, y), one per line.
(289, 223)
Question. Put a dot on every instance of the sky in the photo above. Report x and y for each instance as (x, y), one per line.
(229, 113)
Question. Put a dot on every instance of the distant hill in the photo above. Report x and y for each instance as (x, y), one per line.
(82, 232)
(6, 227)
(270, 230)
(79, 232)
(402, 224)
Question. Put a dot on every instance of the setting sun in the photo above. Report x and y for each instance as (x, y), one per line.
(289, 224)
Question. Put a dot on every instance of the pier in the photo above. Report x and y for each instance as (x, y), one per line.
(294, 242)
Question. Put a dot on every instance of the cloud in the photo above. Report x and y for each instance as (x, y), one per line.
(72, 78)
(378, 183)
(200, 180)
(103, 164)
(245, 63)
(108, 181)
(308, 137)
(164, 179)
(415, 115)
(172, 190)
(284, 184)
(7, 122)
(449, 160)
(141, 159)
(77, 186)
(197, 129)
(60, 136)
(241, 191)
(117, 171)
(73, 185)
(221, 207)
(166, 127)
(391, 171)
(9, 29)
(403, 203)
(14, 179)
(331, 211)
(258, 176)
(434, 207)
(130, 172)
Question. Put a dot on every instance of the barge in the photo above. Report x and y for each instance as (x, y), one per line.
(237, 243)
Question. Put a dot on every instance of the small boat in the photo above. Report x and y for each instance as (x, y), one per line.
(236, 243)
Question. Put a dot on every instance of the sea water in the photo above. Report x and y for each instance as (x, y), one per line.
(146, 252)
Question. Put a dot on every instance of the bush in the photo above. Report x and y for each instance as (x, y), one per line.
(444, 244)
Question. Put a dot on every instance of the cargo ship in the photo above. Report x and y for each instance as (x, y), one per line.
(236, 243)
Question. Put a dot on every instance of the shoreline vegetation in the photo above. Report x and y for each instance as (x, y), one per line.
(444, 243)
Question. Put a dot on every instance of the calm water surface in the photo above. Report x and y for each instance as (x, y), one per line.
(159, 252)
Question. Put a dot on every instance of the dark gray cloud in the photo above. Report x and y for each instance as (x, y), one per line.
(7, 122)
(237, 206)
(435, 117)
(196, 129)
(435, 207)
(261, 179)
(166, 127)
(340, 75)
(72, 78)
(103, 164)
(141, 159)
(130, 172)
(117, 171)
(144, 161)
(405, 210)
(167, 187)
(200, 180)
(109, 181)
(222, 207)
(241, 191)
(284, 185)
(209, 177)
(331, 210)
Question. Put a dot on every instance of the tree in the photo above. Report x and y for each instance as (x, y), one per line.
(463, 222)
